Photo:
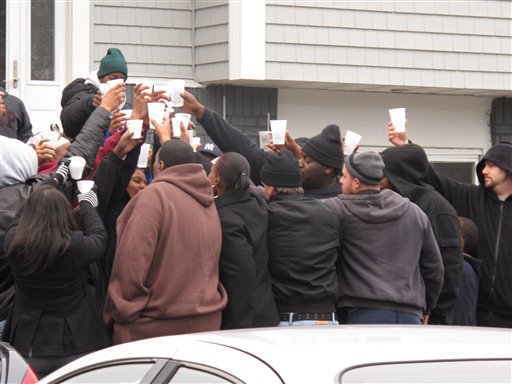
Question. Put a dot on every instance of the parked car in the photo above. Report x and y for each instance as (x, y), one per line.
(14, 369)
(323, 354)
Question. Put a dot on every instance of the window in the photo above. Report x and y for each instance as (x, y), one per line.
(42, 40)
(114, 374)
(479, 371)
(189, 375)
(463, 172)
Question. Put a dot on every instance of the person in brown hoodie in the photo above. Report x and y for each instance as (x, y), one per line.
(165, 277)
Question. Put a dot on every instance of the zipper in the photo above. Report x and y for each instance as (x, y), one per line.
(493, 279)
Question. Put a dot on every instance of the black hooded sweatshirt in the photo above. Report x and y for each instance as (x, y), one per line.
(406, 169)
(494, 220)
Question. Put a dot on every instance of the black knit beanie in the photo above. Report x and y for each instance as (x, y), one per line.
(326, 147)
(281, 170)
(113, 62)
(500, 154)
(368, 167)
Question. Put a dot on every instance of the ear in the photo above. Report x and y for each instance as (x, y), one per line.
(328, 171)
(356, 183)
(161, 166)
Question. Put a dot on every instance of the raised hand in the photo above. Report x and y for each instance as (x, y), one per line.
(397, 138)
(191, 105)
(114, 97)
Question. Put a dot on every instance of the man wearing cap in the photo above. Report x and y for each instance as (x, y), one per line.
(406, 168)
(303, 245)
(209, 150)
(390, 269)
(321, 157)
(82, 96)
(489, 206)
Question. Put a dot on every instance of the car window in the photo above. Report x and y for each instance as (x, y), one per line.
(114, 374)
(190, 375)
(471, 371)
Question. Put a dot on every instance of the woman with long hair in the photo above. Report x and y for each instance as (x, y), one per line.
(244, 256)
(54, 318)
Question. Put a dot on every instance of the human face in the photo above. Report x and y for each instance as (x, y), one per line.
(348, 183)
(493, 175)
(137, 183)
(313, 173)
(112, 76)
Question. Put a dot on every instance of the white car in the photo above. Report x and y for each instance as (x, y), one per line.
(321, 354)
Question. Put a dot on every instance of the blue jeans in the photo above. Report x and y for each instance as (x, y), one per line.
(379, 316)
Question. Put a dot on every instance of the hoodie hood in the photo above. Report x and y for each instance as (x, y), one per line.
(378, 207)
(406, 167)
(190, 178)
(18, 161)
(500, 154)
(93, 79)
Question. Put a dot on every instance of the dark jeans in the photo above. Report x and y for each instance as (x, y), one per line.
(43, 366)
(378, 316)
(491, 319)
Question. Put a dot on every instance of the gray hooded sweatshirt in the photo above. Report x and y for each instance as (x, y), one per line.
(389, 255)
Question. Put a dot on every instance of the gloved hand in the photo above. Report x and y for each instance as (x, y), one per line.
(62, 172)
(89, 196)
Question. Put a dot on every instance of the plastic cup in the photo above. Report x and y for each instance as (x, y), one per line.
(76, 167)
(160, 87)
(398, 118)
(156, 112)
(114, 82)
(351, 141)
(176, 88)
(265, 138)
(135, 126)
(184, 117)
(278, 128)
(196, 142)
(104, 87)
(85, 186)
(143, 157)
(127, 113)
(176, 129)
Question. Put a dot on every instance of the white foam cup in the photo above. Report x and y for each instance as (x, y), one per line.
(176, 88)
(265, 139)
(184, 117)
(278, 128)
(176, 130)
(156, 112)
(135, 126)
(398, 118)
(351, 141)
(85, 186)
(127, 113)
(143, 156)
(76, 167)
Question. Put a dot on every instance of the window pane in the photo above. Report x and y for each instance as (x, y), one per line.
(463, 172)
(188, 375)
(123, 373)
(42, 39)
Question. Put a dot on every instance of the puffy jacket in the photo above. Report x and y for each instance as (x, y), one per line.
(76, 103)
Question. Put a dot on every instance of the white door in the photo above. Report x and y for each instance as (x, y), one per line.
(36, 56)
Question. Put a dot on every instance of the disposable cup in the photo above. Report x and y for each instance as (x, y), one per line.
(114, 82)
(398, 118)
(184, 117)
(278, 128)
(351, 141)
(176, 88)
(161, 87)
(196, 142)
(156, 112)
(76, 167)
(143, 156)
(104, 87)
(265, 138)
(127, 113)
(176, 130)
(135, 126)
(85, 186)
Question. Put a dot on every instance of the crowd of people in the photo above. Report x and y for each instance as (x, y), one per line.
(235, 236)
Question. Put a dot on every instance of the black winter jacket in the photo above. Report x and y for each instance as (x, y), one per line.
(76, 103)
(244, 262)
(16, 122)
(303, 250)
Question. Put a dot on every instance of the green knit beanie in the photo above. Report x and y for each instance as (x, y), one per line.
(113, 62)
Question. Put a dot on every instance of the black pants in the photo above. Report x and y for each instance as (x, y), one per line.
(492, 319)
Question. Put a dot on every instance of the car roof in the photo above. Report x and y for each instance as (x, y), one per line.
(329, 349)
